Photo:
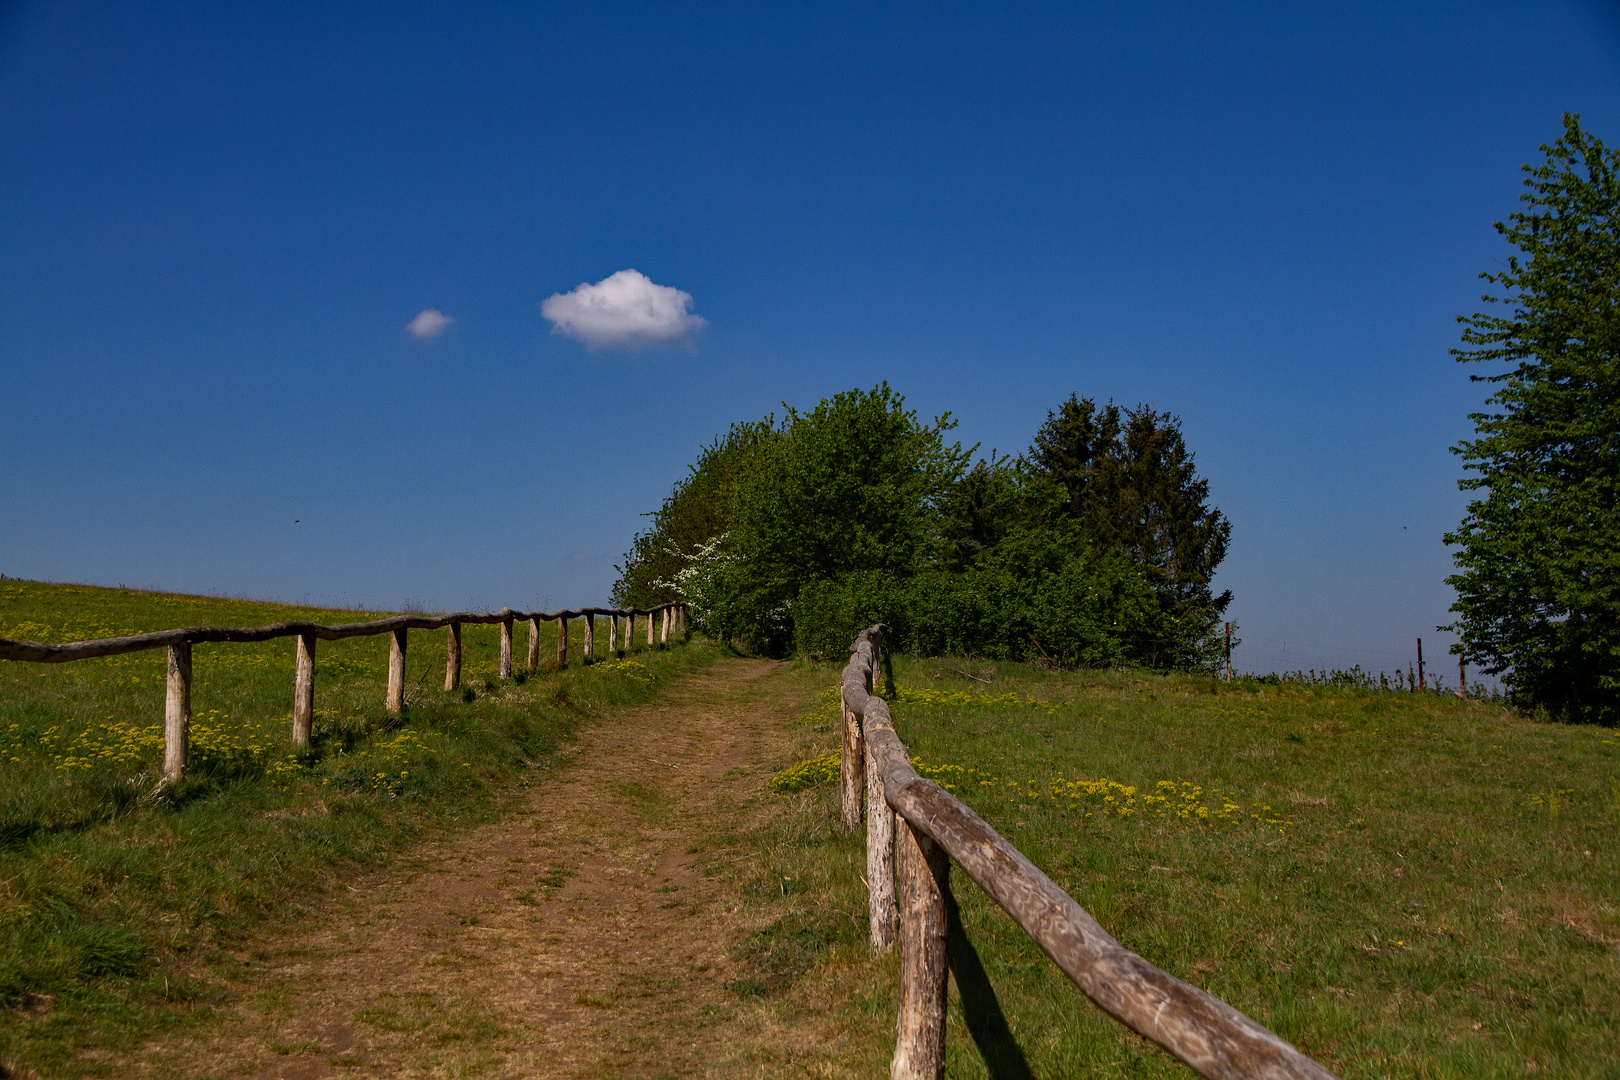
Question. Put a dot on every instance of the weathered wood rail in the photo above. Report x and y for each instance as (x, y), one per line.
(915, 829)
(670, 618)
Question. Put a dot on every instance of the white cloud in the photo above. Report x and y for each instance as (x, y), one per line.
(625, 311)
(430, 323)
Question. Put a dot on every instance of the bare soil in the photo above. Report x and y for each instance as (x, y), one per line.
(590, 932)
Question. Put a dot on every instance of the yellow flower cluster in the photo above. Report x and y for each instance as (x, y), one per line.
(808, 773)
(1553, 800)
(930, 697)
(115, 745)
(214, 742)
(949, 776)
(633, 670)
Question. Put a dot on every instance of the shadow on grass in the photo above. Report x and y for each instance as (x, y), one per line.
(986, 1023)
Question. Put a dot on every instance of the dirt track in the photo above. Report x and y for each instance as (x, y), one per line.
(586, 934)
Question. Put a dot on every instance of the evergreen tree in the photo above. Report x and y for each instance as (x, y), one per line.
(1130, 483)
(1538, 559)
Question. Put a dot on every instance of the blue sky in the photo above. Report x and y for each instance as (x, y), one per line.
(219, 220)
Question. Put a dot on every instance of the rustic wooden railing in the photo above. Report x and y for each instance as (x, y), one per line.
(177, 703)
(914, 828)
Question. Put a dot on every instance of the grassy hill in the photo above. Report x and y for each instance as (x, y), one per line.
(113, 891)
(1402, 885)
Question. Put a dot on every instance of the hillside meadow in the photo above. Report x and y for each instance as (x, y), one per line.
(1400, 884)
(114, 891)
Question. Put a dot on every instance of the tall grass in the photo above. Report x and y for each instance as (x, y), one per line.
(113, 890)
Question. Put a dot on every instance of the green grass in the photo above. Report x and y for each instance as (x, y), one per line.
(116, 894)
(1401, 885)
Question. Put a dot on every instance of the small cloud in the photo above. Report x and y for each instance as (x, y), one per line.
(578, 556)
(430, 323)
(625, 311)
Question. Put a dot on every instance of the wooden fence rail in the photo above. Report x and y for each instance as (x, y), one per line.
(915, 828)
(177, 699)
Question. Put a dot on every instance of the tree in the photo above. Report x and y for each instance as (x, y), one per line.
(849, 486)
(696, 513)
(1130, 483)
(1538, 559)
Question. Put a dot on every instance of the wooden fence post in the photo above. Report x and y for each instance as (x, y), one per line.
(851, 768)
(303, 689)
(506, 647)
(1462, 677)
(562, 641)
(629, 632)
(395, 701)
(534, 644)
(588, 650)
(879, 860)
(613, 634)
(177, 713)
(663, 626)
(649, 629)
(452, 655)
(922, 877)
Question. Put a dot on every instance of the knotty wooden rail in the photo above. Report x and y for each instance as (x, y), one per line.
(914, 828)
(177, 698)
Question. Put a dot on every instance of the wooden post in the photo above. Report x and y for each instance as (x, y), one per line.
(663, 626)
(1228, 652)
(630, 631)
(177, 713)
(452, 655)
(506, 647)
(562, 641)
(589, 648)
(649, 629)
(922, 876)
(1462, 677)
(303, 689)
(534, 644)
(851, 768)
(879, 860)
(1421, 688)
(395, 701)
(613, 634)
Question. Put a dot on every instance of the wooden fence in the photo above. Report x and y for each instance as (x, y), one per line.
(671, 618)
(914, 828)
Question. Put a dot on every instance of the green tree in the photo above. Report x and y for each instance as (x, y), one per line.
(1538, 559)
(849, 486)
(1131, 485)
(696, 513)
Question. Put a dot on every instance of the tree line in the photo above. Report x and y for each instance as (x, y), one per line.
(1097, 546)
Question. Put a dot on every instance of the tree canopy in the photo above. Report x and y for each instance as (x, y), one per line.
(1538, 559)
(799, 532)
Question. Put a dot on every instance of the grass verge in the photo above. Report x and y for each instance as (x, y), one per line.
(115, 893)
(1399, 884)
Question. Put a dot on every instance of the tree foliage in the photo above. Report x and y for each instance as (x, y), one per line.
(799, 533)
(1130, 484)
(697, 512)
(1538, 559)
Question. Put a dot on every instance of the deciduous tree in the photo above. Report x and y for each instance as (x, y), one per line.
(1538, 554)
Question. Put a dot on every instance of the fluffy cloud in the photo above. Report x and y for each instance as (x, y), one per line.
(430, 323)
(625, 311)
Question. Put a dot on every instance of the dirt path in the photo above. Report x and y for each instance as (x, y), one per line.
(586, 934)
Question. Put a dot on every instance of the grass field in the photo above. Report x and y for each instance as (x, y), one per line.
(1401, 885)
(114, 894)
